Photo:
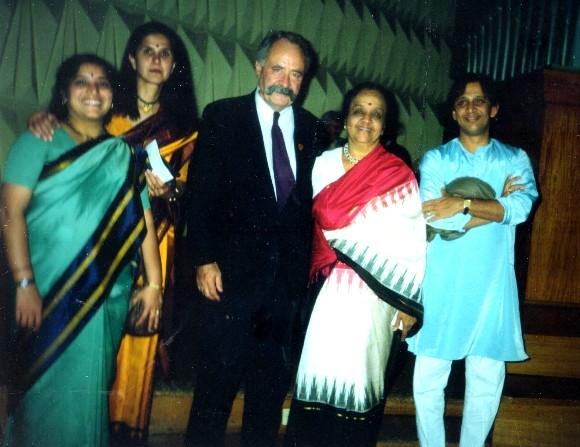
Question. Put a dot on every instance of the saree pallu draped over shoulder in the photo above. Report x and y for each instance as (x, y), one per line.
(368, 263)
(175, 146)
(85, 226)
(371, 220)
(131, 395)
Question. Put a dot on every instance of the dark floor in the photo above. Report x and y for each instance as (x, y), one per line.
(399, 429)
(163, 440)
(176, 440)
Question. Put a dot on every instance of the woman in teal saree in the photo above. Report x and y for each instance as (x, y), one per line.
(74, 221)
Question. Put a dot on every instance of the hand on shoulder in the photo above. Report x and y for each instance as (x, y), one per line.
(42, 125)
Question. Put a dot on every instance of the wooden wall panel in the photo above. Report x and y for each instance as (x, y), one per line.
(541, 113)
(554, 265)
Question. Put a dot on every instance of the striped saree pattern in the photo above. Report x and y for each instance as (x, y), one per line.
(88, 274)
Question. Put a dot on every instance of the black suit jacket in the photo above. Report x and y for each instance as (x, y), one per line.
(263, 253)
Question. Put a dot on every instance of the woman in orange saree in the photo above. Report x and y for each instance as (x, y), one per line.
(156, 103)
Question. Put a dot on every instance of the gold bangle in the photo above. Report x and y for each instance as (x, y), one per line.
(155, 286)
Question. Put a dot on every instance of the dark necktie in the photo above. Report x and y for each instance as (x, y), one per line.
(283, 175)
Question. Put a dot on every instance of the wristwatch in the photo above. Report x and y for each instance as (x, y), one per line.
(466, 206)
(24, 283)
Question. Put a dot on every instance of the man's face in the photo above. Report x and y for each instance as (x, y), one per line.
(473, 111)
(281, 75)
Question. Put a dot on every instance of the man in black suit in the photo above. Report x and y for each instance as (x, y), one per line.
(249, 236)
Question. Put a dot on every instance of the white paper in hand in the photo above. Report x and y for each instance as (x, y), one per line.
(156, 162)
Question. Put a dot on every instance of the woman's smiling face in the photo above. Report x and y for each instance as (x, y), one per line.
(365, 122)
(90, 94)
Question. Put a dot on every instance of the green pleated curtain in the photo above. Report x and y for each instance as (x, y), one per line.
(401, 44)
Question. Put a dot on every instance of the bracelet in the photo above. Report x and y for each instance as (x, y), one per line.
(24, 283)
(155, 286)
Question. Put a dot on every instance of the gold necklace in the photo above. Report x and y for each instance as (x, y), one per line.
(147, 105)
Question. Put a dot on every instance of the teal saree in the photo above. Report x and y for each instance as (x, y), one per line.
(85, 226)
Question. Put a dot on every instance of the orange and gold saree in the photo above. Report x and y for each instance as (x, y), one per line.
(132, 393)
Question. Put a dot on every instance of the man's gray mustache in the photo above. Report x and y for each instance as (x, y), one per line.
(282, 90)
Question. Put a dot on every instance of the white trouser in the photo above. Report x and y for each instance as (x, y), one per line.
(484, 379)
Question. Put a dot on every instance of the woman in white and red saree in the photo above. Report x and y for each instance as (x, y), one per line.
(367, 268)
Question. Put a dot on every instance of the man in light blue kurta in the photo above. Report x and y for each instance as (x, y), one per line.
(470, 293)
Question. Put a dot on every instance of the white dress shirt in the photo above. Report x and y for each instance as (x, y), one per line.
(286, 123)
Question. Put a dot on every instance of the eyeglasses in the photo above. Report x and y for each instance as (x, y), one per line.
(477, 102)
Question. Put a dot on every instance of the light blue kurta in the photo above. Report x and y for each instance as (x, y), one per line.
(469, 293)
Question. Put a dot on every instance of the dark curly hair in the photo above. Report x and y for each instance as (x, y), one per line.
(305, 46)
(176, 97)
(458, 88)
(65, 74)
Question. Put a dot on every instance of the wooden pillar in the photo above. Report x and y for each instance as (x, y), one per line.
(541, 113)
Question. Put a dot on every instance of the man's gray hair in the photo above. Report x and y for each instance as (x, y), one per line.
(274, 36)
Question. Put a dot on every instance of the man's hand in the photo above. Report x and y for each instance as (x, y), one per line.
(28, 308)
(209, 281)
(443, 207)
(42, 124)
(510, 185)
(404, 322)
